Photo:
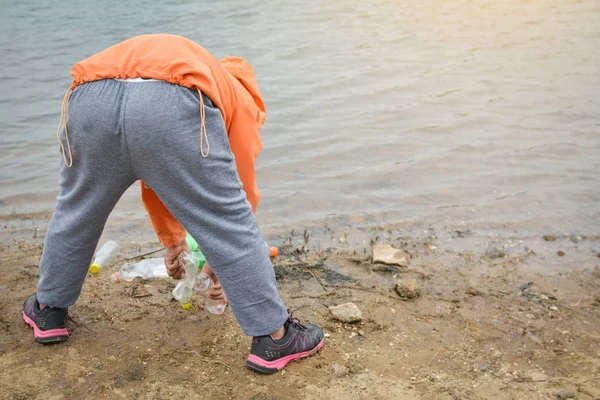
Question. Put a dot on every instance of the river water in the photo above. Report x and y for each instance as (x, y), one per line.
(378, 112)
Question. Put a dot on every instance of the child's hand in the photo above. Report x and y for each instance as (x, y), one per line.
(173, 263)
(216, 292)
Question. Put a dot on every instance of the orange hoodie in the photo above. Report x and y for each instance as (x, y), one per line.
(230, 84)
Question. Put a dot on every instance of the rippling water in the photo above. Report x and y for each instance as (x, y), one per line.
(379, 111)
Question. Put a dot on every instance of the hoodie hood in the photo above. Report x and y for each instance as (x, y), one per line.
(241, 70)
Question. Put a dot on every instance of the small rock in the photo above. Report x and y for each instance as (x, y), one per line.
(560, 253)
(483, 367)
(529, 316)
(536, 376)
(553, 308)
(327, 335)
(533, 338)
(137, 290)
(497, 353)
(353, 335)
(597, 300)
(473, 291)
(550, 296)
(564, 394)
(388, 269)
(495, 252)
(361, 333)
(526, 286)
(408, 289)
(347, 313)
(386, 254)
(339, 371)
(598, 255)
(549, 238)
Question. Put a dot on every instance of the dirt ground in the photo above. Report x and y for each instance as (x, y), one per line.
(488, 325)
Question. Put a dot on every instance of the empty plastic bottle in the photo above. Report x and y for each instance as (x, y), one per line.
(104, 256)
(146, 269)
(185, 288)
(202, 284)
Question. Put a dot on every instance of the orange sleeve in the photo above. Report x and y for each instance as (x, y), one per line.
(245, 143)
(169, 230)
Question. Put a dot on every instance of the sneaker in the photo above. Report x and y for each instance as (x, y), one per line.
(49, 324)
(268, 355)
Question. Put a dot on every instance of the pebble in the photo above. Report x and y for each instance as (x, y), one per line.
(549, 238)
(495, 252)
(339, 371)
(386, 254)
(553, 308)
(560, 253)
(536, 376)
(564, 394)
(327, 335)
(473, 291)
(347, 313)
(533, 338)
(408, 289)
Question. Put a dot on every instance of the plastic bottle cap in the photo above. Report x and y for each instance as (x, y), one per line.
(95, 268)
(186, 306)
(273, 251)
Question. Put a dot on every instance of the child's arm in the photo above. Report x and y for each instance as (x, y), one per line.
(245, 143)
(169, 230)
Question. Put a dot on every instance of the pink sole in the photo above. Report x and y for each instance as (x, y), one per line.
(37, 333)
(282, 362)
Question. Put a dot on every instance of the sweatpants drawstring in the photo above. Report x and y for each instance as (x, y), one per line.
(63, 120)
(203, 134)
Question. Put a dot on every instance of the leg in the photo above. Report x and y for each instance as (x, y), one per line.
(205, 195)
(89, 190)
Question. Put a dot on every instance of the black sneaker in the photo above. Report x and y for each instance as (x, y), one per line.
(269, 356)
(49, 324)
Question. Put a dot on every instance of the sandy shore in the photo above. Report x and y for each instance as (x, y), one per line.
(493, 323)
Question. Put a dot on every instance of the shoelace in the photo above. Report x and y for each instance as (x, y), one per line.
(295, 322)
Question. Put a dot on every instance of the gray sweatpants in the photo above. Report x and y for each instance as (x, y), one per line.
(121, 132)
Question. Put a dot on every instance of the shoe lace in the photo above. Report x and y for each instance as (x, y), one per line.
(295, 322)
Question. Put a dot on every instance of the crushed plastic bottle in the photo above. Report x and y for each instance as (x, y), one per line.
(185, 288)
(105, 256)
(202, 284)
(146, 269)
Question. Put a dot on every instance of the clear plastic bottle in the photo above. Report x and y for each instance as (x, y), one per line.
(185, 288)
(148, 268)
(104, 256)
(202, 284)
